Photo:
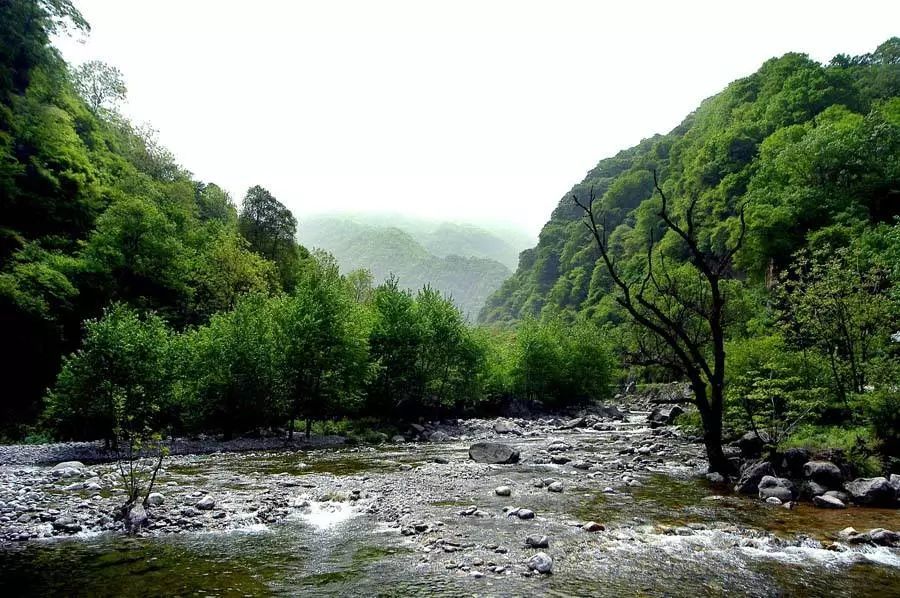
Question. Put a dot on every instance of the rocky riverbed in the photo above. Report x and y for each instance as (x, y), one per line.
(603, 505)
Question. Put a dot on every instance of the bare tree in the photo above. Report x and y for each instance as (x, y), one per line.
(680, 315)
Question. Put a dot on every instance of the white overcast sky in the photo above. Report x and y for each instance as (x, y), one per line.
(463, 110)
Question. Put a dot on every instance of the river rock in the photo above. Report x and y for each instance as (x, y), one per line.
(751, 444)
(155, 499)
(875, 492)
(610, 412)
(825, 473)
(207, 503)
(503, 491)
(66, 523)
(136, 518)
(752, 476)
(781, 488)
(774, 500)
(828, 502)
(560, 459)
(555, 487)
(663, 416)
(593, 526)
(68, 465)
(577, 422)
(438, 437)
(504, 427)
(537, 542)
(493, 452)
(793, 460)
(524, 513)
(811, 488)
(541, 562)
(715, 477)
(398, 439)
(558, 446)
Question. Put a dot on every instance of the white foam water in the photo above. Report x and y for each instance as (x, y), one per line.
(324, 515)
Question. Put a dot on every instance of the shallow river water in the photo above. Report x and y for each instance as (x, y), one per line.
(670, 535)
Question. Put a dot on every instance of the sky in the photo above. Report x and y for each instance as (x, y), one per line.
(462, 110)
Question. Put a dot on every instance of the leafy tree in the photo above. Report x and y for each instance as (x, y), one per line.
(835, 304)
(101, 85)
(271, 229)
(231, 377)
(560, 365)
(121, 372)
(325, 346)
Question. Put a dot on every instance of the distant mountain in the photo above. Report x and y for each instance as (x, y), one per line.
(458, 260)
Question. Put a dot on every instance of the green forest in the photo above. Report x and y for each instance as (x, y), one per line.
(781, 195)
(134, 297)
(753, 251)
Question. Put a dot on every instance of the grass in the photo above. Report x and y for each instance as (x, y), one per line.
(856, 442)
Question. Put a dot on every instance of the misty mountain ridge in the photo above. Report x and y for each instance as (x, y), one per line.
(464, 261)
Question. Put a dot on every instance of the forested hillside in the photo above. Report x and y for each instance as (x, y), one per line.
(811, 149)
(136, 299)
(455, 260)
(94, 211)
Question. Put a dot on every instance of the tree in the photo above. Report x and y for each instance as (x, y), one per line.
(836, 304)
(122, 373)
(231, 375)
(324, 335)
(101, 85)
(271, 230)
(679, 314)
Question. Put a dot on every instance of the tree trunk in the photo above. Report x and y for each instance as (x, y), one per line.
(711, 416)
(308, 427)
(291, 430)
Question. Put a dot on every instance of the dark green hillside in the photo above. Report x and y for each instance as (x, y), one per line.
(813, 148)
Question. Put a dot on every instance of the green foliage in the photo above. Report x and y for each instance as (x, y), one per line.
(122, 371)
(426, 358)
(772, 388)
(270, 228)
(834, 304)
(559, 365)
(230, 376)
(855, 443)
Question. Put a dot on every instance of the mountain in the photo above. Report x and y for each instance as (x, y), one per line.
(810, 149)
(454, 259)
(495, 241)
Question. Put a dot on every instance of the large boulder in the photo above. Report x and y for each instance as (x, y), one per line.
(793, 460)
(610, 412)
(663, 416)
(493, 452)
(752, 475)
(68, 465)
(825, 473)
(810, 489)
(875, 492)
(780, 488)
